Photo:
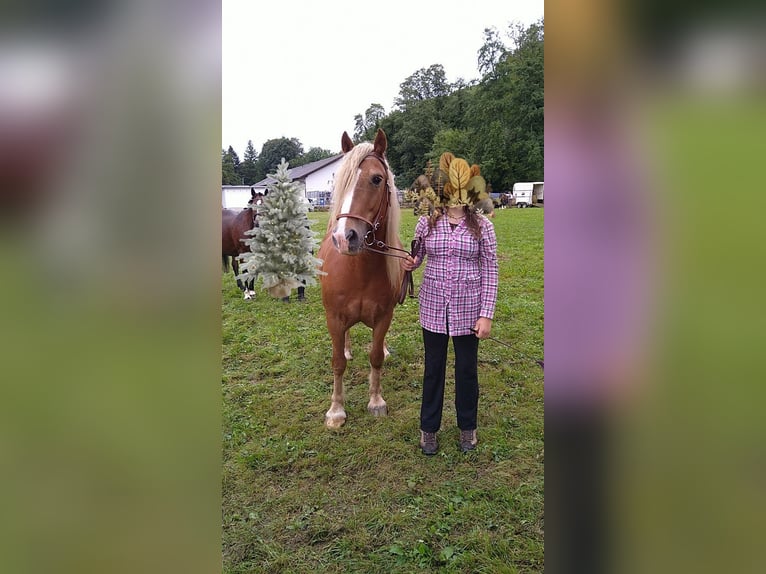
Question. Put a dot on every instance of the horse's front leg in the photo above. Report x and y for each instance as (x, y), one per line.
(336, 416)
(377, 406)
(347, 345)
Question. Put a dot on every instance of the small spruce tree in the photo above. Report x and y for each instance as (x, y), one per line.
(281, 245)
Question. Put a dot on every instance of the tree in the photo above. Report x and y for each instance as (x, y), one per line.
(314, 154)
(234, 158)
(413, 139)
(527, 101)
(506, 112)
(281, 246)
(496, 122)
(248, 169)
(276, 150)
(491, 52)
(425, 84)
(367, 126)
(230, 167)
(456, 141)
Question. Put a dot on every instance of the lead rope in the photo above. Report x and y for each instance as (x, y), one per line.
(540, 362)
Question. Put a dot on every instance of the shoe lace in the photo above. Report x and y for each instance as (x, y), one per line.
(429, 438)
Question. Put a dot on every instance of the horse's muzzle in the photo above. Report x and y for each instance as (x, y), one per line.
(347, 241)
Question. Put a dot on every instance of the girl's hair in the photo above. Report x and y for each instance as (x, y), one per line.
(471, 220)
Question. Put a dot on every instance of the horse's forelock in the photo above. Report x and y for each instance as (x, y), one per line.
(345, 178)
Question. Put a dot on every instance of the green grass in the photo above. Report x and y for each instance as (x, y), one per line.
(298, 497)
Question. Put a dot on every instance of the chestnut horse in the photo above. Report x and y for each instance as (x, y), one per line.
(361, 285)
(234, 224)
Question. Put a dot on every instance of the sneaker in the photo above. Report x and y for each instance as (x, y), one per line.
(468, 440)
(428, 443)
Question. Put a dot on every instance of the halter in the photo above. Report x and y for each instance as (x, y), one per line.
(371, 243)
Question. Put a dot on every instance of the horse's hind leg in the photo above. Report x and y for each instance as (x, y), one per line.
(377, 406)
(336, 416)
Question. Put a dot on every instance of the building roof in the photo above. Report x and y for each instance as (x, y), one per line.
(302, 171)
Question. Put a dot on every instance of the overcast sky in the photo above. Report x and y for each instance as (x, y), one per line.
(304, 69)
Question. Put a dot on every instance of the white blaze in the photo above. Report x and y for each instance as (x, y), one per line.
(340, 231)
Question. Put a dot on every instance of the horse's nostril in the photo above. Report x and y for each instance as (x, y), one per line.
(335, 241)
(351, 235)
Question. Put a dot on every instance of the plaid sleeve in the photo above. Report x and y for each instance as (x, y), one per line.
(489, 270)
(421, 230)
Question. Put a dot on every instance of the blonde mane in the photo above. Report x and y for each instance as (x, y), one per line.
(345, 181)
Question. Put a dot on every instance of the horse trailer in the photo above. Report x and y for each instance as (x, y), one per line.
(528, 193)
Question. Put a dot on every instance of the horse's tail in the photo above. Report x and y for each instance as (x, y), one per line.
(225, 261)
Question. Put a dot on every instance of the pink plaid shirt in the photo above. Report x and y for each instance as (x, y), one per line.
(460, 279)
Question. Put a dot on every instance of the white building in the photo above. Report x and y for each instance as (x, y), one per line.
(316, 178)
(235, 196)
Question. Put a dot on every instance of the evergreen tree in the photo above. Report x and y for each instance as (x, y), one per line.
(229, 175)
(248, 169)
(282, 244)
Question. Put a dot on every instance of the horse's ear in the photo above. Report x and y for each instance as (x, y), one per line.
(252, 192)
(380, 144)
(345, 143)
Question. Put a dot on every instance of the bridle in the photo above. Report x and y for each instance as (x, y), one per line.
(372, 243)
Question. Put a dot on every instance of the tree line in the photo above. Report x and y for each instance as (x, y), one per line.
(254, 167)
(496, 121)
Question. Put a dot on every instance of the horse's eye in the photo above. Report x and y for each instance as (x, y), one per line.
(377, 179)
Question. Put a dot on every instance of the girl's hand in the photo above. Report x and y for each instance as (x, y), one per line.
(409, 264)
(483, 327)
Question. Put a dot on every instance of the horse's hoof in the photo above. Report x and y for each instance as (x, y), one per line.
(347, 354)
(378, 411)
(334, 422)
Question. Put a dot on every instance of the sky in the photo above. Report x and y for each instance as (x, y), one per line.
(306, 71)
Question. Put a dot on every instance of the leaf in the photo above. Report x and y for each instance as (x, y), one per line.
(396, 549)
(446, 553)
(445, 160)
(459, 174)
(475, 170)
(438, 180)
(477, 188)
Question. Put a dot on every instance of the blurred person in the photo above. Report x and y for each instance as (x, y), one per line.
(102, 270)
(598, 274)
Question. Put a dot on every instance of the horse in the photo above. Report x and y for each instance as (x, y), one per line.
(360, 284)
(234, 224)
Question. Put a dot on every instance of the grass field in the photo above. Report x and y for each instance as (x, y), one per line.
(298, 497)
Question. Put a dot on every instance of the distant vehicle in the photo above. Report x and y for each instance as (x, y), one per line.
(528, 193)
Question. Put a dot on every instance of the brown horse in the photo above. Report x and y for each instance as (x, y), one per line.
(234, 224)
(361, 284)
